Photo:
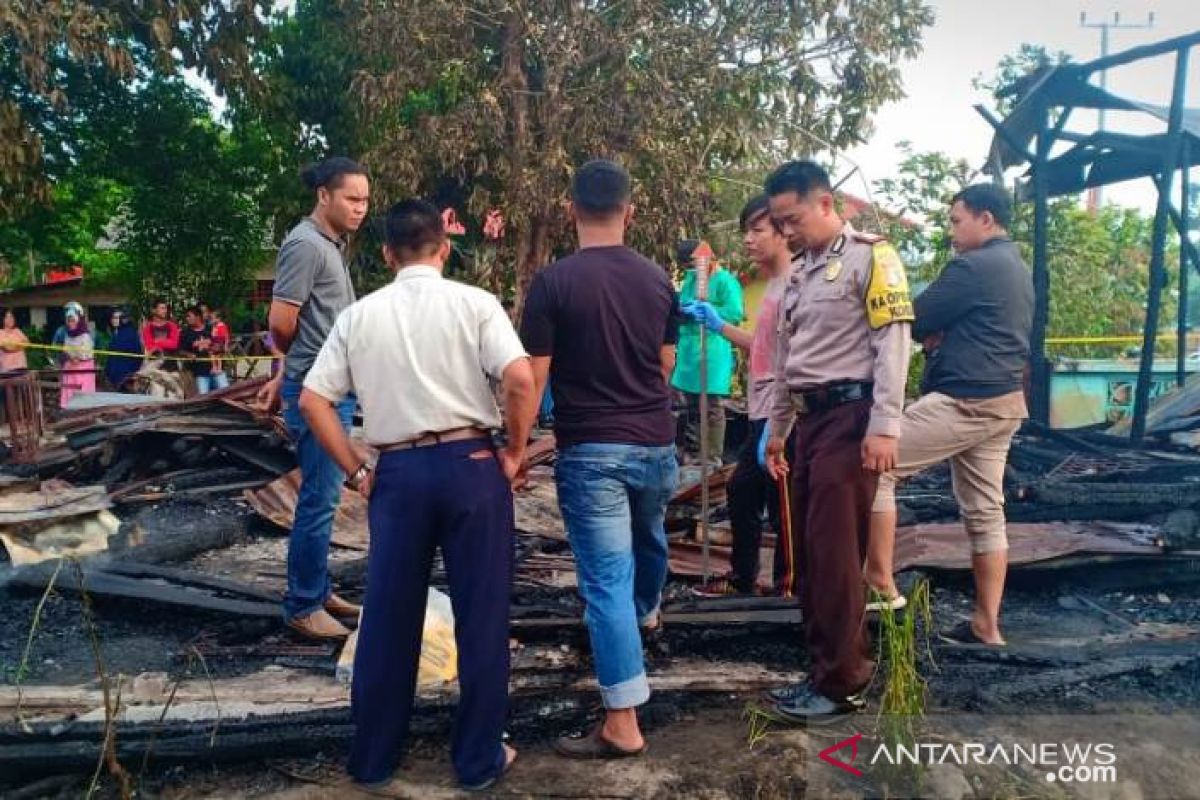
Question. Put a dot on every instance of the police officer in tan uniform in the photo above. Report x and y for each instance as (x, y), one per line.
(841, 364)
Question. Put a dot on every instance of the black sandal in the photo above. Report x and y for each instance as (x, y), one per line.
(964, 634)
(593, 746)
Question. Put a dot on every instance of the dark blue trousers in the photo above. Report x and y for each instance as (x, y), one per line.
(452, 496)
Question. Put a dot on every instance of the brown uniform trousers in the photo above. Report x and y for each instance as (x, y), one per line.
(831, 517)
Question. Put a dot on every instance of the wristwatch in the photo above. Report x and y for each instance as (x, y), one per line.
(360, 474)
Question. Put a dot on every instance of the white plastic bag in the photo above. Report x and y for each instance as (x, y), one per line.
(439, 653)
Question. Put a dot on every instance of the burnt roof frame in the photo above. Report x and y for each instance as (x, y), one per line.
(1029, 134)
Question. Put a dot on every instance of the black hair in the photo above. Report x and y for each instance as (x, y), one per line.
(413, 226)
(801, 177)
(755, 207)
(600, 187)
(194, 310)
(981, 197)
(160, 301)
(330, 172)
(684, 250)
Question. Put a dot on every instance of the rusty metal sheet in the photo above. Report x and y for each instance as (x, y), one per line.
(541, 451)
(945, 545)
(690, 492)
(277, 502)
(536, 506)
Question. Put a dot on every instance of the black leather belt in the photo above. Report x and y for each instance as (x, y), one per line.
(824, 398)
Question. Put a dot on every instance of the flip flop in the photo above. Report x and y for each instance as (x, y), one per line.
(593, 747)
(484, 785)
(878, 602)
(963, 634)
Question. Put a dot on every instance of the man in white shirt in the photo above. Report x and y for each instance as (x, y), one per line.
(419, 354)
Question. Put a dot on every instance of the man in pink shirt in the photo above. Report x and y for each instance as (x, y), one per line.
(750, 488)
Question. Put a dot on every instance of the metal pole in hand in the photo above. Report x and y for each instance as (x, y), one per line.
(702, 257)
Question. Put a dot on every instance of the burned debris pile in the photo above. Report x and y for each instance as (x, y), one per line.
(151, 449)
(1073, 498)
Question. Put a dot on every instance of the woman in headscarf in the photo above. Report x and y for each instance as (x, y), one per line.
(125, 339)
(76, 361)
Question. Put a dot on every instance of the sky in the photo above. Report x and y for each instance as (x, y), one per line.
(970, 37)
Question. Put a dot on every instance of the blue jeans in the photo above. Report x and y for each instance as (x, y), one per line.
(613, 499)
(321, 479)
(217, 380)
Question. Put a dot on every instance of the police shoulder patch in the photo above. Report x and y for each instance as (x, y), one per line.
(869, 238)
(887, 299)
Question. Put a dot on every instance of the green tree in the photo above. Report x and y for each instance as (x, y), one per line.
(64, 232)
(298, 104)
(504, 99)
(49, 49)
(1017, 73)
(918, 199)
(192, 223)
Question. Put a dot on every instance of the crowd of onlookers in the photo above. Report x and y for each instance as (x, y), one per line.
(200, 347)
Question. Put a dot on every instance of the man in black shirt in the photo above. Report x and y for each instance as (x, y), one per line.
(195, 342)
(602, 325)
(974, 322)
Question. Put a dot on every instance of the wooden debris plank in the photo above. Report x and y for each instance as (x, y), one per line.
(107, 584)
(775, 616)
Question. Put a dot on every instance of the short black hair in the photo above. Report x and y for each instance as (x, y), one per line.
(194, 310)
(755, 207)
(801, 177)
(684, 250)
(990, 197)
(601, 187)
(330, 172)
(413, 226)
(160, 301)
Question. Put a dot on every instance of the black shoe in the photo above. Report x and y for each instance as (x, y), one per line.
(785, 694)
(815, 708)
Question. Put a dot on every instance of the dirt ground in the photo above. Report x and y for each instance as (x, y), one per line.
(702, 745)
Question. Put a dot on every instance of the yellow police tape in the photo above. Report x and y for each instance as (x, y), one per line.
(1054, 340)
(58, 348)
(1103, 339)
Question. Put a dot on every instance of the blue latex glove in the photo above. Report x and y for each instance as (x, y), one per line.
(705, 314)
(762, 446)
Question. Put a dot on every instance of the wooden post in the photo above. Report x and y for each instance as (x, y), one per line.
(702, 257)
(1039, 366)
(1181, 352)
(1170, 163)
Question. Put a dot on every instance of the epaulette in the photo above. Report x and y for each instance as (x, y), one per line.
(869, 238)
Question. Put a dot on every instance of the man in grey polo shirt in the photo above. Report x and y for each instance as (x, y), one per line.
(312, 286)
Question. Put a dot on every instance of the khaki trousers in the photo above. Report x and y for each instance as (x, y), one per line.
(975, 436)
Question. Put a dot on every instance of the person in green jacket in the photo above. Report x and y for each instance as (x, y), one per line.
(724, 295)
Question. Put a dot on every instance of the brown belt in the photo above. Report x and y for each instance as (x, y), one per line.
(430, 439)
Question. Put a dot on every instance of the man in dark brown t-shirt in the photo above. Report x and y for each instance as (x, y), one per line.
(602, 326)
